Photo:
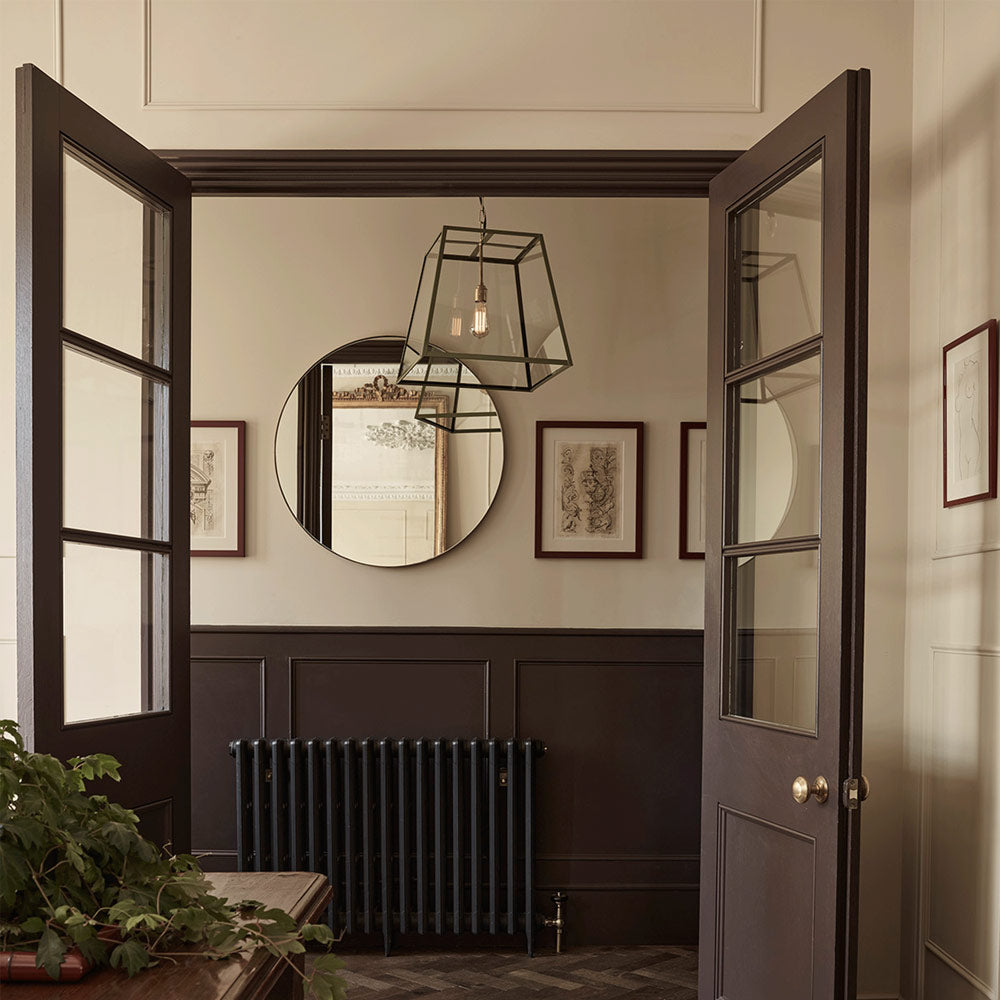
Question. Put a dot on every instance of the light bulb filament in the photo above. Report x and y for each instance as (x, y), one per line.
(480, 317)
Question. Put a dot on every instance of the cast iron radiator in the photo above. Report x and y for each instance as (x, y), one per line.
(415, 836)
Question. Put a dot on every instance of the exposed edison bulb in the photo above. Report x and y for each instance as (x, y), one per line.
(456, 318)
(480, 318)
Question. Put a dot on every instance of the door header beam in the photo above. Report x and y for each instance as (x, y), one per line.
(352, 173)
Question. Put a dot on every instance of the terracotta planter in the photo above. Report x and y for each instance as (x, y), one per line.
(19, 966)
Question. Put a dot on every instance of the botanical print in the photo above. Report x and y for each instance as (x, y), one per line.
(208, 489)
(589, 489)
(967, 406)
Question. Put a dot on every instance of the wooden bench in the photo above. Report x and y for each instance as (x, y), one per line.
(304, 895)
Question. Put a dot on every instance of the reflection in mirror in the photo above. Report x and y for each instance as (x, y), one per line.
(779, 442)
(369, 481)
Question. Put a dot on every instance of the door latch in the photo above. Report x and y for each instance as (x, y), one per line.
(856, 790)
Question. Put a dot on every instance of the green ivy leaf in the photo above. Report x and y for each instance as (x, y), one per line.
(319, 933)
(131, 956)
(191, 921)
(10, 733)
(325, 984)
(328, 963)
(91, 946)
(150, 920)
(33, 925)
(281, 920)
(51, 949)
(15, 874)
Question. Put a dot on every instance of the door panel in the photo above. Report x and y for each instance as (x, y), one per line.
(103, 389)
(754, 857)
(785, 555)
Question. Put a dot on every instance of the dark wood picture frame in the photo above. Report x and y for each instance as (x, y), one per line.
(543, 426)
(987, 331)
(687, 427)
(240, 542)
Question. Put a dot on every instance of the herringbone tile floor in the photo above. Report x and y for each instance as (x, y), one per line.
(639, 973)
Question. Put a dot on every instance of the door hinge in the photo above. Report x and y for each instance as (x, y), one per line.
(856, 790)
(325, 428)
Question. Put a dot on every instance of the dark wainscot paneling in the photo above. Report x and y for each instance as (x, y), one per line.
(620, 712)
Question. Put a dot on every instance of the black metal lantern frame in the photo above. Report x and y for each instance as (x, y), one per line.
(526, 344)
(449, 394)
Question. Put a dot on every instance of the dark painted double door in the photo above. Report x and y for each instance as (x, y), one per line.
(104, 253)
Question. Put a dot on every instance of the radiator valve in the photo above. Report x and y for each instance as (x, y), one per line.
(559, 921)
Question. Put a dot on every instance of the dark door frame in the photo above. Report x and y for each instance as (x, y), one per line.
(388, 173)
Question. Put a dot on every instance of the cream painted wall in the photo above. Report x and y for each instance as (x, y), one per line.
(656, 102)
(280, 282)
(952, 874)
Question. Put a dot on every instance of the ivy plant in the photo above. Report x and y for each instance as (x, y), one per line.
(75, 872)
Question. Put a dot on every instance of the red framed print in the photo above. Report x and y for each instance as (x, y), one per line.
(692, 498)
(970, 416)
(218, 451)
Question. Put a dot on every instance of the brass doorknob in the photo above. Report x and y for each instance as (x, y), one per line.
(819, 790)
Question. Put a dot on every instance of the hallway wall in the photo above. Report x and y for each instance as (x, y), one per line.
(952, 874)
(707, 73)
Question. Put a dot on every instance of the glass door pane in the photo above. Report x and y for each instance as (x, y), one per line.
(774, 663)
(780, 253)
(114, 449)
(115, 253)
(114, 638)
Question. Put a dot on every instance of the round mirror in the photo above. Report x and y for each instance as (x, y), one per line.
(371, 477)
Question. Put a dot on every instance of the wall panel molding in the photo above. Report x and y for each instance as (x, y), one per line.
(443, 82)
(58, 41)
(960, 970)
(370, 667)
(229, 700)
(620, 711)
(930, 947)
(965, 550)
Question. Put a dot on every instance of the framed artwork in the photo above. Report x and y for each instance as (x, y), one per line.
(217, 485)
(692, 479)
(588, 489)
(970, 416)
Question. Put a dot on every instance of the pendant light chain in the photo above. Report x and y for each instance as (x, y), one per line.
(480, 318)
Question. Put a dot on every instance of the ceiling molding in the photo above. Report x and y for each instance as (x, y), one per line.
(750, 104)
(679, 173)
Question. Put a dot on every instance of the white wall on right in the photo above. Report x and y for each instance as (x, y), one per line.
(952, 850)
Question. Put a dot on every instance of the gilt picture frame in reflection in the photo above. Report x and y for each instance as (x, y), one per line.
(392, 470)
(217, 500)
(969, 426)
(588, 489)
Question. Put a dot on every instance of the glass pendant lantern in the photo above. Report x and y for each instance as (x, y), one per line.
(508, 331)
